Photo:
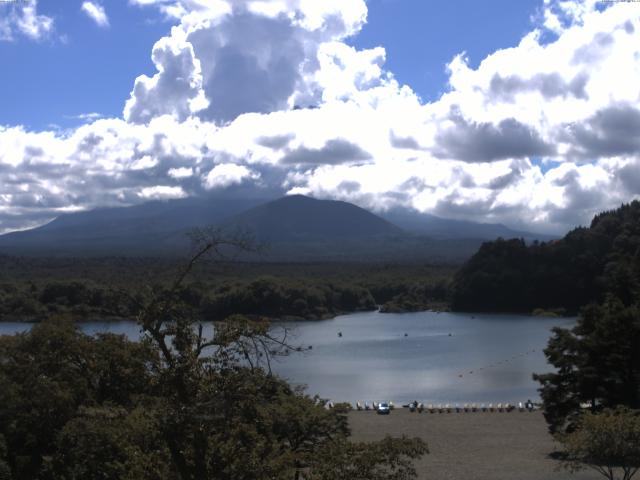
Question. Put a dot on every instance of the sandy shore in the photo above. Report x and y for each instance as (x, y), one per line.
(472, 446)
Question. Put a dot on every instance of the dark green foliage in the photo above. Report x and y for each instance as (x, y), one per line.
(607, 442)
(110, 442)
(597, 363)
(48, 374)
(588, 263)
(278, 298)
(5, 471)
(33, 289)
(179, 404)
(418, 297)
(106, 408)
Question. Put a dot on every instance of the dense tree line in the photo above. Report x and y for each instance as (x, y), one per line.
(583, 267)
(277, 291)
(179, 404)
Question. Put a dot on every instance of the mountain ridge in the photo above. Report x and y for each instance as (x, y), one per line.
(297, 228)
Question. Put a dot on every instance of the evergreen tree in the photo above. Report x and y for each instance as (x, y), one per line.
(597, 363)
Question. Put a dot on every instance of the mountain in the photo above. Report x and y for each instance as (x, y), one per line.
(155, 227)
(295, 228)
(300, 218)
(445, 228)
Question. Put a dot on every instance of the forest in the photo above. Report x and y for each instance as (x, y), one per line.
(32, 289)
(562, 275)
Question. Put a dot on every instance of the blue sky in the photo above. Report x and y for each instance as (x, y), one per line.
(84, 69)
(537, 126)
(91, 70)
(421, 37)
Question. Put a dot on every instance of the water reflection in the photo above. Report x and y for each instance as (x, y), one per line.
(430, 357)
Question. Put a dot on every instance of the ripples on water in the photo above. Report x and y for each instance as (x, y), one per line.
(374, 360)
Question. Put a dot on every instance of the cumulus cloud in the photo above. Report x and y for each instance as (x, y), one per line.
(228, 174)
(240, 57)
(162, 192)
(334, 152)
(549, 85)
(484, 142)
(96, 12)
(268, 96)
(610, 132)
(175, 90)
(22, 19)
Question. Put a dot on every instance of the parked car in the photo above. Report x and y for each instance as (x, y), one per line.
(383, 408)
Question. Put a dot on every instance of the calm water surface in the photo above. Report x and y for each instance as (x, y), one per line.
(444, 357)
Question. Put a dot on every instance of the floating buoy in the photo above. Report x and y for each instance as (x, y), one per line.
(339, 334)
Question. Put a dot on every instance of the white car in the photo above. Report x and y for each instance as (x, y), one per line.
(383, 408)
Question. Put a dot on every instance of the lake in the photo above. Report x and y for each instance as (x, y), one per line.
(425, 356)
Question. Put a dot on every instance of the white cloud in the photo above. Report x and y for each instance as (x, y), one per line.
(22, 18)
(175, 90)
(181, 172)
(229, 58)
(96, 12)
(162, 192)
(228, 174)
(267, 95)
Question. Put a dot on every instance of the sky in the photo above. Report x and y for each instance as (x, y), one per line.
(525, 113)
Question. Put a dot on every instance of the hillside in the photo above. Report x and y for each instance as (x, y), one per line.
(295, 228)
(147, 229)
(582, 267)
(446, 228)
(297, 217)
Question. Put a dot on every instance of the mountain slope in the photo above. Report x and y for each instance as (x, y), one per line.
(296, 228)
(445, 228)
(298, 218)
(148, 228)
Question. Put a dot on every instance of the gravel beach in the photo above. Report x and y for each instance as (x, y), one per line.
(472, 446)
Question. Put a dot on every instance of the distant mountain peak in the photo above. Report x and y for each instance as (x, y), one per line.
(296, 227)
(300, 216)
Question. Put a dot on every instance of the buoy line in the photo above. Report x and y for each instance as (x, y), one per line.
(496, 364)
